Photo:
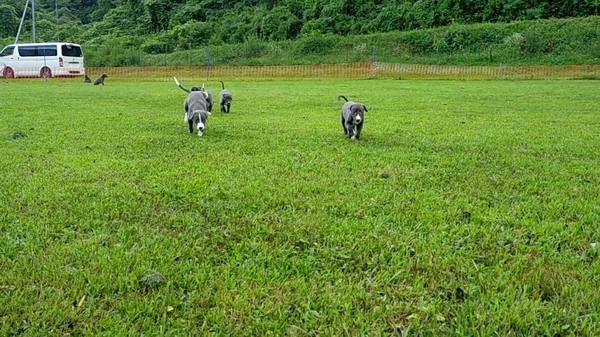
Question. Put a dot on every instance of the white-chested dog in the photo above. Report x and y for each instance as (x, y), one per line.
(353, 115)
(195, 107)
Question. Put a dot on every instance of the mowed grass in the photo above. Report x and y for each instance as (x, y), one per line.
(467, 208)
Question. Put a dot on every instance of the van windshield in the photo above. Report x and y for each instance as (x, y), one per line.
(7, 51)
(71, 50)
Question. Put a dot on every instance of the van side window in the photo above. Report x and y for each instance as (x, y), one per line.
(8, 51)
(71, 51)
(32, 51)
(27, 51)
(46, 51)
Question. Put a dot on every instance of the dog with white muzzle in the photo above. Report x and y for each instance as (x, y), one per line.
(353, 116)
(196, 108)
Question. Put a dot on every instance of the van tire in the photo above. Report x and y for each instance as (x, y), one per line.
(45, 72)
(8, 73)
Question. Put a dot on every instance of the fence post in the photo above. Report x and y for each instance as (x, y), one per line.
(374, 64)
(208, 63)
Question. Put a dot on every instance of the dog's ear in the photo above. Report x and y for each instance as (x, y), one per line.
(365, 108)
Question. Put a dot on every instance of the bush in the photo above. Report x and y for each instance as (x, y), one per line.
(9, 19)
(316, 44)
(113, 51)
(565, 41)
(192, 34)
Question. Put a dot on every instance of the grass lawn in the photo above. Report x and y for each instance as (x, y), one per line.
(467, 208)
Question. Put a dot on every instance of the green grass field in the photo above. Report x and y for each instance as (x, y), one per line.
(467, 208)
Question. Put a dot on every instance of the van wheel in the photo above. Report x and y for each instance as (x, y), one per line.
(46, 72)
(9, 73)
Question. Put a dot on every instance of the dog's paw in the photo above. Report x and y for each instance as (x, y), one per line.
(353, 138)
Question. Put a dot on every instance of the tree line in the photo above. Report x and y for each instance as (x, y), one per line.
(166, 25)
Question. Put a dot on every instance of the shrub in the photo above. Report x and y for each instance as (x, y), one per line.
(316, 44)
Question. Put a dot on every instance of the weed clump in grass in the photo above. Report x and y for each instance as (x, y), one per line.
(151, 280)
(18, 134)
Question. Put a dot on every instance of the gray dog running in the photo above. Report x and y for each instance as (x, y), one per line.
(195, 107)
(353, 115)
(225, 98)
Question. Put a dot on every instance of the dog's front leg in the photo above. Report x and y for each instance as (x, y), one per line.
(359, 127)
(350, 128)
(344, 126)
(191, 125)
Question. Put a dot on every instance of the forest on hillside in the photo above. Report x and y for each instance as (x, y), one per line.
(189, 24)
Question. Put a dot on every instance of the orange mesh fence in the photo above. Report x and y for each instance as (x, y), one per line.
(362, 70)
(185, 73)
(421, 71)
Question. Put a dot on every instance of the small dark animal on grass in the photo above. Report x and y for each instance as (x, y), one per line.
(353, 115)
(195, 107)
(100, 80)
(87, 79)
(225, 98)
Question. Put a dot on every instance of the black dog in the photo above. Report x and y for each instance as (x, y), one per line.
(87, 79)
(100, 80)
(353, 115)
(225, 98)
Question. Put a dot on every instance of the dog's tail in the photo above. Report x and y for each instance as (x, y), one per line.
(342, 96)
(179, 85)
(222, 85)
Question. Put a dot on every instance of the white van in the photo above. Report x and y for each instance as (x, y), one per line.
(47, 59)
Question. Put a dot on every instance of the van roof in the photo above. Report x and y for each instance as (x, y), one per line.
(39, 43)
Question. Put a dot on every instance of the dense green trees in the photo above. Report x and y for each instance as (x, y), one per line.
(227, 21)
(8, 17)
(158, 26)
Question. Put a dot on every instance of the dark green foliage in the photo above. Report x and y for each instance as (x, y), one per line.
(549, 42)
(277, 20)
(10, 23)
(112, 51)
(317, 44)
(280, 24)
(463, 31)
